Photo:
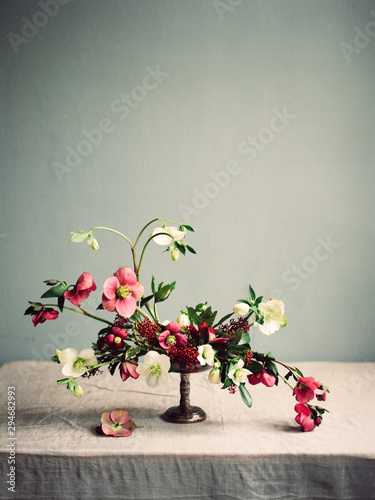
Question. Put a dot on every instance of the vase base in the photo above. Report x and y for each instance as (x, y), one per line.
(176, 415)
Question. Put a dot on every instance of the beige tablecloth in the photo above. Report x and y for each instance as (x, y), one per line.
(237, 453)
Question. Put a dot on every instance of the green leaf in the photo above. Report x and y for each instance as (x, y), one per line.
(255, 367)
(153, 285)
(252, 294)
(144, 300)
(79, 236)
(245, 338)
(193, 316)
(272, 368)
(245, 395)
(191, 249)
(55, 291)
(224, 318)
(132, 352)
(227, 383)
(55, 359)
(63, 381)
(298, 371)
(189, 228)
(164, 292)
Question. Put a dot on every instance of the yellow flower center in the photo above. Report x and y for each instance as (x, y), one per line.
(117, 340)
(78, 363)
(122, 292)
(171, 340)
(154, 369)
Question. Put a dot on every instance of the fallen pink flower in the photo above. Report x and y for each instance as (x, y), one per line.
(172, 337)
(128, 369)
(121, 292)
(304, 418)
(117, 423)
(43, 315)
(81, 290)
(306, 388)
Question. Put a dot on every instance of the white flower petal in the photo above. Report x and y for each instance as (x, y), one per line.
(68, 354)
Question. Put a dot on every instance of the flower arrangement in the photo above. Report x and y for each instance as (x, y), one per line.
(137, 343)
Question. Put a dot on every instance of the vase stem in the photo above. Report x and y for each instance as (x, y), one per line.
(185, 392)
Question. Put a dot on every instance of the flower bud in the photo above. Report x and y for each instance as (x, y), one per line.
(51, 282)
(318, 421)
(241, 309)
(183, 320)
(77, 391)
(175, 254)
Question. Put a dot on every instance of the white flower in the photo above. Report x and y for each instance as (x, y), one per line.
(183, 320)
(155, 367)
(76, 364)
(238, 374)
(206, 354)
(163, 239)
(215, 376)
(273, 316)
(241, 309)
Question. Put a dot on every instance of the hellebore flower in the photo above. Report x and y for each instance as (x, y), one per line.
(80, 291)
(304, 418)
(306, 388)
(115, 339)
(121, 292)
(163, 239)
(117, 423)
(172, 337)
(214, 377)
(155, 368)
(241, 309)
(128, 369)
(76, 364)
(273, 316)
(206, 354)
(268, 379)
(238, 373)
(44, 314)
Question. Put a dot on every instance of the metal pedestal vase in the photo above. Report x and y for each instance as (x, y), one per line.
(184, 414)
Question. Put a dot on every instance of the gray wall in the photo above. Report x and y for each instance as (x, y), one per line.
(278, 94)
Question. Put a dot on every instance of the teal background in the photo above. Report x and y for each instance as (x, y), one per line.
(291, 213)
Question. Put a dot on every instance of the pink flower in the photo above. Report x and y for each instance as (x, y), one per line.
(45, 314)
(116, 337)
(80, 291)
(304, 418)
(121, 292)
(306, 388)
(117, 423)
(128, 369)
(172, 337)
(267, 378)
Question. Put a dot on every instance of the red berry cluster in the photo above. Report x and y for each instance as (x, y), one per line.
(248, 357)
(235, 325)
(184, 355)
(147, 329)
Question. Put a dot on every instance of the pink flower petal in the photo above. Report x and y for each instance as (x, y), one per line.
(118, 332)
(108, 430)
(110, 286)
(137, 290)
(106, 418)
(109, 304)
(124, 433)
(126, 307)
(126, 276)
(120, 416)
(181, 340)
(174, 327)
(85, 282)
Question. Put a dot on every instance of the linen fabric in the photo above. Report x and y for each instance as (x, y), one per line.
(236, 454)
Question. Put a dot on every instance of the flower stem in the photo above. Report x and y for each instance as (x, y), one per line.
(142, 313)
(82, 311)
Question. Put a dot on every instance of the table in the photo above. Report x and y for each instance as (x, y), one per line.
(237, 453)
